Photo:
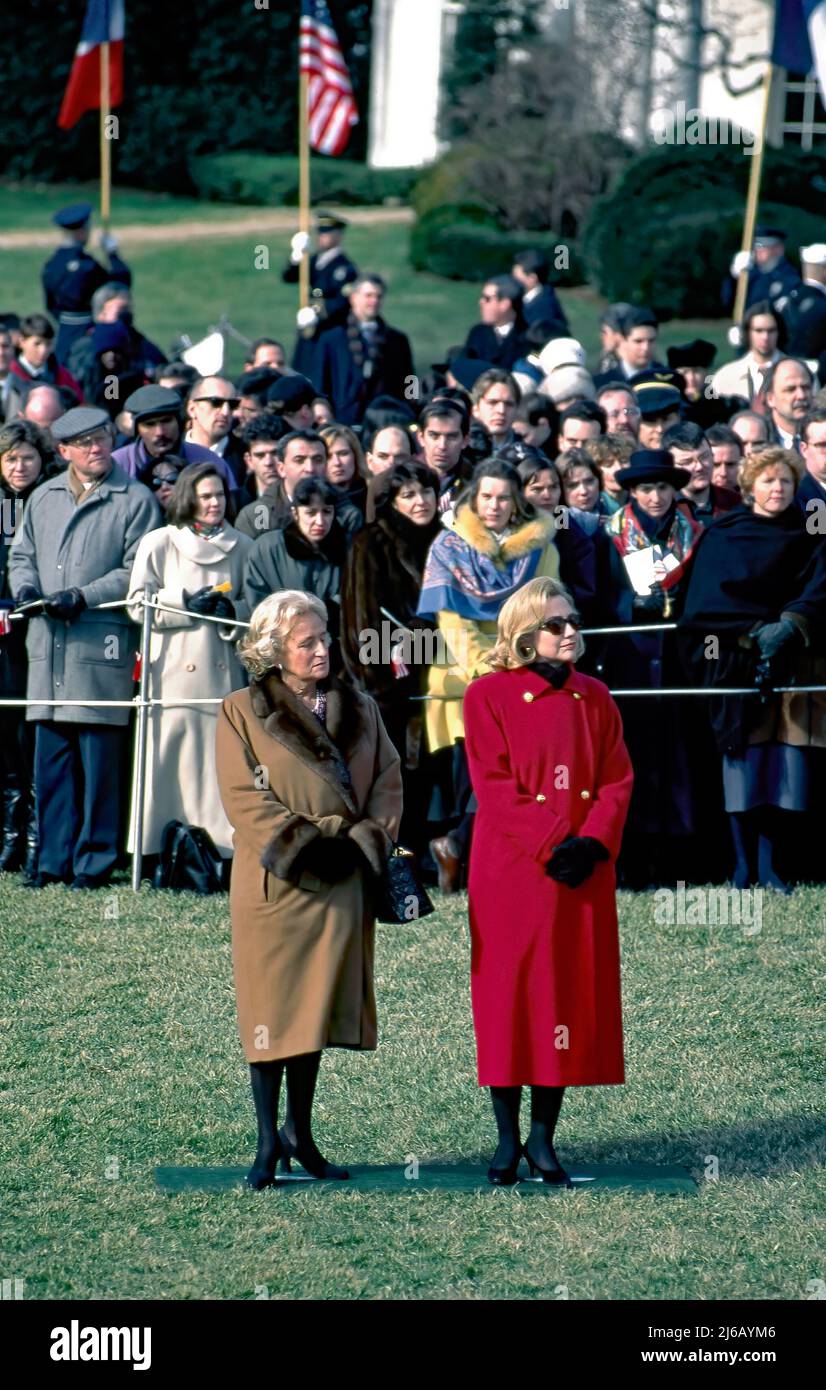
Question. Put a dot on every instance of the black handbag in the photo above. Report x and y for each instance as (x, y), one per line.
(401, 894)
(188, 860)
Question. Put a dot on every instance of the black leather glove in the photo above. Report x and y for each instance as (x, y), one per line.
(67, 605)
(224, 608)
(573, 861)
(330, 857)
(651, 605)
(771, 638)
(28, 594)
(203, 601)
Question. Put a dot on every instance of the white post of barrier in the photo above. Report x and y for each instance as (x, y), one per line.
(139, 768)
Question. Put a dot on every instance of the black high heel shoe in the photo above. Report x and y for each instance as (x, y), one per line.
(505, 1177)
(263, 1171)
(555, 1176)
(311, 1160)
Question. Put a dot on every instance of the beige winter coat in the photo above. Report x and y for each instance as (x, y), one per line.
(189, 658)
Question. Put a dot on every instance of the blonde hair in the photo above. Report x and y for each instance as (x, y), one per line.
(518, 621)
(763, 459)
(335, 431)
(261, 647)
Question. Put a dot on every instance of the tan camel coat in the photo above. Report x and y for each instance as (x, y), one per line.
(303, 951)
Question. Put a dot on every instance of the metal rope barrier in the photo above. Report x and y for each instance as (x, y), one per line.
(143, 702)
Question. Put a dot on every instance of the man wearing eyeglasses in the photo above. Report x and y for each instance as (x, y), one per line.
(73, 552)
(622, 412)
(156, 415)
(210, 409)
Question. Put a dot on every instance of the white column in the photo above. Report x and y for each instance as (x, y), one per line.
(405, 80)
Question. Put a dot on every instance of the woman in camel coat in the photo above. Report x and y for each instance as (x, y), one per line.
(311, 784)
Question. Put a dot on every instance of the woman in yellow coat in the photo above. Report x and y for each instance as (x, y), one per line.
(311, 785)
(495, 544)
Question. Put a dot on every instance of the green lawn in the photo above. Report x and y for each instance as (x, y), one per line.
(119, 1053)
(184, 287)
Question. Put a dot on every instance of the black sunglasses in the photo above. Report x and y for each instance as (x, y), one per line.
(556, 626)
(217, 401)
(165, 482)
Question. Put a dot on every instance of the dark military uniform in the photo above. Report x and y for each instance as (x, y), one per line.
(332, 274)
(70, 278)
(805, 317)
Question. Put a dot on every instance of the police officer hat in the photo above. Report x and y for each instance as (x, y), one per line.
(656, 390)
(82, 420)
(289, 393)
(76, 215)
(153, 400)
(329, 222)
(467, 370)
(698, 353)
(769, 234)
(652, 466)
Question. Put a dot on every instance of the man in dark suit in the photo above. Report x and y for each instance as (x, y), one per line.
(539, 300)
(363, 357)
(636, 348)
(500, 337)
(811, 495)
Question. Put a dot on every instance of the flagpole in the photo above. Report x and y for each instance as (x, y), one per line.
(105, 143)
(304, 184)
(753, 197)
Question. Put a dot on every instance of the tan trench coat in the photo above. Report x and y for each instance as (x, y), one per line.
(303, 952)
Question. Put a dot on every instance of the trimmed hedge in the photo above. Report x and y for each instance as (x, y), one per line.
(248, 177)
(462, 242)
(666, 235)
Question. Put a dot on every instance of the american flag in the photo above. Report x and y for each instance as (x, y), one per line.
(332, 107)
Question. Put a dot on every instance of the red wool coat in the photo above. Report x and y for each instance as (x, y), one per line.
(545, 965)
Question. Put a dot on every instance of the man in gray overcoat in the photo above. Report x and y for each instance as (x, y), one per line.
(74, 551)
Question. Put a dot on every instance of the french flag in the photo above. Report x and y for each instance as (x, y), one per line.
(800, 39)
(104, 21)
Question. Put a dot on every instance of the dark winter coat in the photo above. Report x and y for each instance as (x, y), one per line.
(287, 560)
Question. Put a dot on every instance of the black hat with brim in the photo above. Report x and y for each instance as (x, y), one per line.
(655, 398)
(467, 370)
(698, 353)
(652, 466)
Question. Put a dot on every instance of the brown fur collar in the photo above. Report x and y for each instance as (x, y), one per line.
(530, 535)
(324, 751)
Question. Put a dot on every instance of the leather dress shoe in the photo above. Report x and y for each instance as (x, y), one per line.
(91, 881)
(449, 864)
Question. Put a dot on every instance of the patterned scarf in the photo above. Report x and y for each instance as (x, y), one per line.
(460, 577)
(366, 349)
(678, 536)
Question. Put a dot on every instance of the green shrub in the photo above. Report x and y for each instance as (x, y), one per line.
(248, 177)
(464, 243)
(666, 234)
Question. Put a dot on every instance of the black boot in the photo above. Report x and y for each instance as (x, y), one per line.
(506, 1102)
(539, 1148)
(297, 1135)
(32, 842)
(11, 833)
(266, 1089)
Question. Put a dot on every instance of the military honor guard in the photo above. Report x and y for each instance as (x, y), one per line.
(71, 276)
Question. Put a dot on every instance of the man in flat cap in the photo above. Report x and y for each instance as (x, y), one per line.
(771, 275)
(73, 552)
(157, 412)
(500, 337)
(804, 312)
(71, 276)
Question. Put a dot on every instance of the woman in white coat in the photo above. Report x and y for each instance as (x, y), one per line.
(186, 563)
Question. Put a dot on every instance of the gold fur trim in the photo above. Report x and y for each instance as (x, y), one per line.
(531, 535)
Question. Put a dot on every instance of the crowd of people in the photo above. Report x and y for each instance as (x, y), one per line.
(682, 508)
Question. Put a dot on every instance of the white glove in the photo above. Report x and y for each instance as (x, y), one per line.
(299, 246)
(744, 260)
(735, 337)
(108, 242)
(306, 318)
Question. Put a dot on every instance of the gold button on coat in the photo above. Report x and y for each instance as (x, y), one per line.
(576, 695)
(540, 797)
(586, 796)
(190, 666)
(527, 696)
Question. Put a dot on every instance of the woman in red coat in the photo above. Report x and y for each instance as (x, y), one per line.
(553, 780)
